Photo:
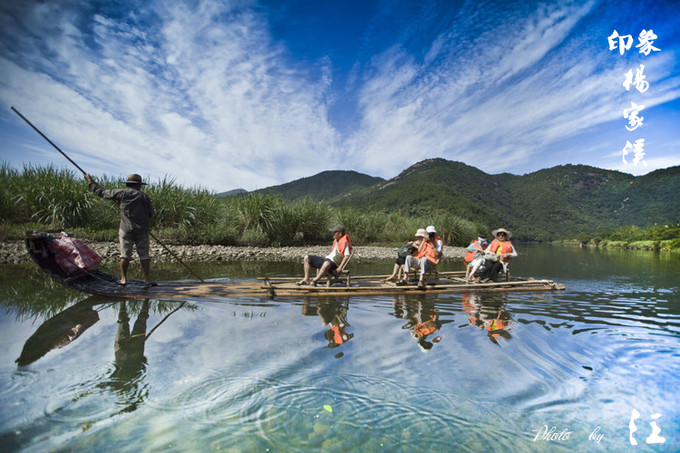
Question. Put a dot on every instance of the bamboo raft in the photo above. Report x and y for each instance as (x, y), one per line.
(99, 283)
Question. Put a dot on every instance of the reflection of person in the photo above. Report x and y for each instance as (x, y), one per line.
(424, 258)
(130, 362)
(136, 211)
(334, 262)
(497, 255)
(489, 316)
(333, 316)
(423, 321)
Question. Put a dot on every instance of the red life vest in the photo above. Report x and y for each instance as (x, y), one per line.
(469, 256)
(505, 247)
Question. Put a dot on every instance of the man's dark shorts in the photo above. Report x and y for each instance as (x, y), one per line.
(316, 262)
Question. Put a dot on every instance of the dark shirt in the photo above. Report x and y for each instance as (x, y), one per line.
(135, 207)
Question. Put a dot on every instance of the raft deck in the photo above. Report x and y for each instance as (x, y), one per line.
(102, 284)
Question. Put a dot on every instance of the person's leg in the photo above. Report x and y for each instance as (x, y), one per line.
(146, 269)
(393, 277)
(425, 267)
(310, 262)
(125, 244)
(124, 266)
(494, 271)
(326, 267)
(411, 263)
(474, 268)
(490, 273)
(307, 269)
(142, 245)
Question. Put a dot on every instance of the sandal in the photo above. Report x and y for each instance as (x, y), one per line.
(302, 282)
(421, 285)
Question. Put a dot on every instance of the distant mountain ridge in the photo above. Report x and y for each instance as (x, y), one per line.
(327, 185)
(552, 203)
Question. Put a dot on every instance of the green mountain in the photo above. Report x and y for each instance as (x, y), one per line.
(554, 203)
(327, 185)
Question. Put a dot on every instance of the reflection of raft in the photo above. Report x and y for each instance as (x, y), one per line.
(100, 283)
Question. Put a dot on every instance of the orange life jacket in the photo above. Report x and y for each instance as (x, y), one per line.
(427, 251)
(339, 334)
(505, 247)
(427, 327)
(469, 256)
(342, 243)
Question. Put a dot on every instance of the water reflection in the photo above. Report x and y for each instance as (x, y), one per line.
(58, 331)
(254, 374)
(333, 314)
(423, 320)
(489, 314)
(127, 379)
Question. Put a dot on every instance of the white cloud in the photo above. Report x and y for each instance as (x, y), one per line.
(203, 93)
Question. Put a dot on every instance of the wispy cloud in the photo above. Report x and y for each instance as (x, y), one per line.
(204, 92)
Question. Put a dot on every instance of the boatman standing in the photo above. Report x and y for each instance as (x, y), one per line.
(136, 211)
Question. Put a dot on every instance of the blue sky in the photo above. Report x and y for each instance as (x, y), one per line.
(229, 94)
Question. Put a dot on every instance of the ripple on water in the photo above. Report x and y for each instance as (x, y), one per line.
(332, 411)
(101, 395)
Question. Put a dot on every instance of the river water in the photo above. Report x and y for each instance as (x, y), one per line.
(593, 368)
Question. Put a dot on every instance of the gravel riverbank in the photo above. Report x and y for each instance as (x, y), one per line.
(14, 252)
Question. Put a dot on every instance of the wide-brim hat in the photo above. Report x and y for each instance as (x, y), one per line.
(422, 233)
(494, 233)
(134, 178)
(338, 229)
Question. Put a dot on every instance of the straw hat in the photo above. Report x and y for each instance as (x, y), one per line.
(494, 233)
(134, 178)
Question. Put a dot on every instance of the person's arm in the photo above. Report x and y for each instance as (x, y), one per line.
(94, 187)
(512, 254)
(346, 254)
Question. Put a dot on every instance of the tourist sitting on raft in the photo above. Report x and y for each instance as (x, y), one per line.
(335, 262)
(497, 255)
(437, 241)
(474, 258)
(424, 258)
(408, 249)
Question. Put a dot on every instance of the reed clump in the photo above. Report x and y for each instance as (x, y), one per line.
(52, 198)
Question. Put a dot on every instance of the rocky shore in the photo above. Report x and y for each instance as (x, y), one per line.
(14, 252)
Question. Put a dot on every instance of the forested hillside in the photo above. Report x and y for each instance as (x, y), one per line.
(548, 204)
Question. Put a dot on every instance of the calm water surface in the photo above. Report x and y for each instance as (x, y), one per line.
(586, 369)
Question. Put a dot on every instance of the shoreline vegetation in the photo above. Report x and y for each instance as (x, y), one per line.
(47, 198)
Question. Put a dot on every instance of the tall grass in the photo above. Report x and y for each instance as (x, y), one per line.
(60, 199)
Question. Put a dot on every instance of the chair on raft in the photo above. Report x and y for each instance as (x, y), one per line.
(336, 277)
(415, 275)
